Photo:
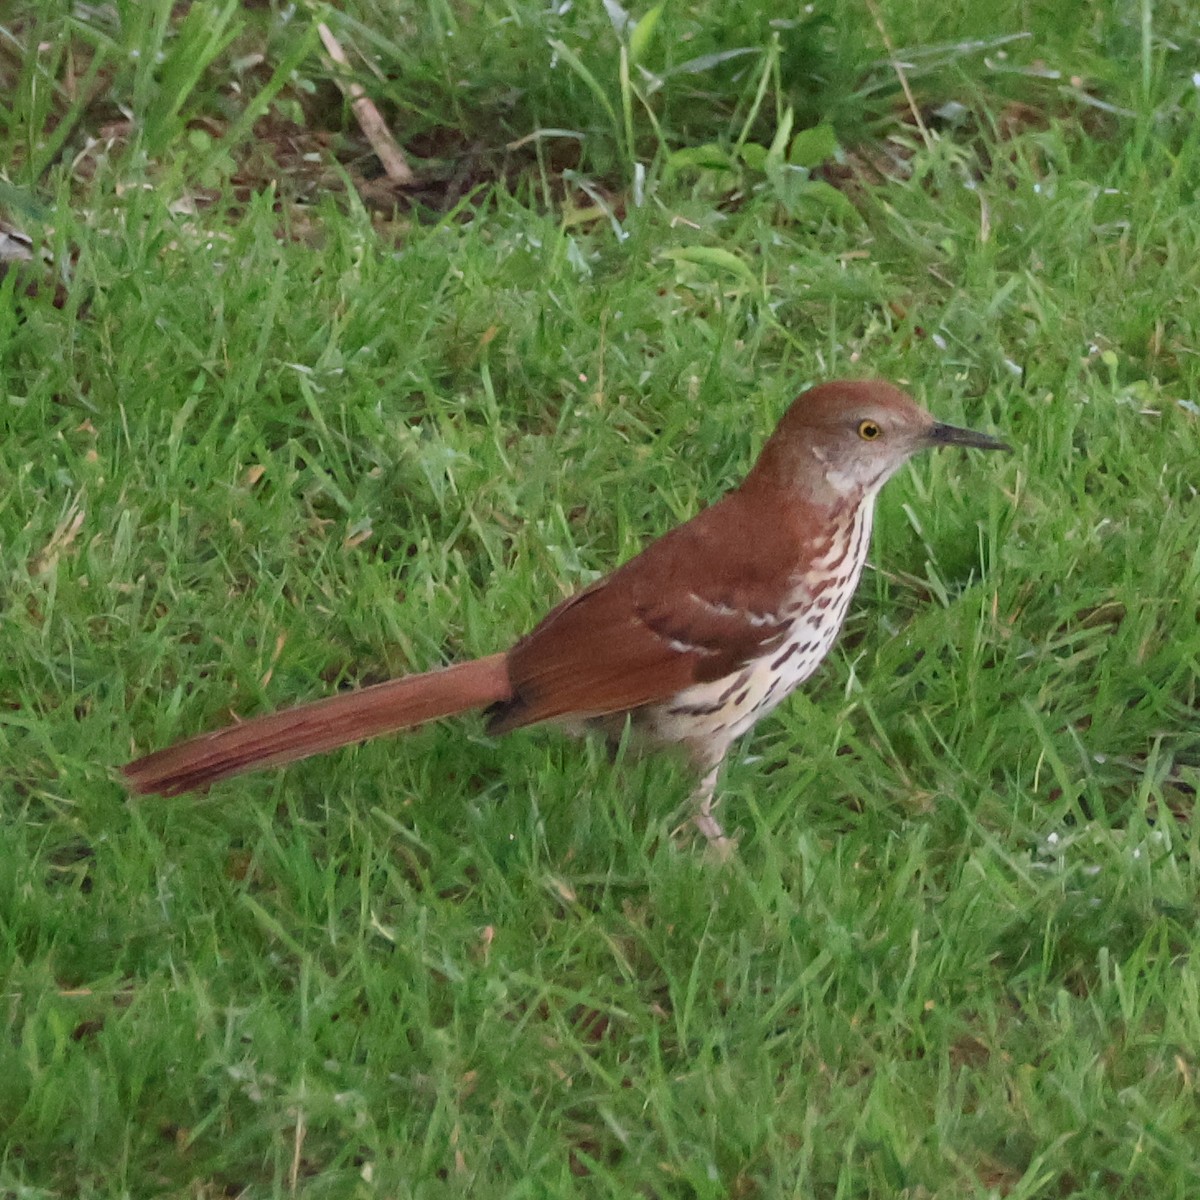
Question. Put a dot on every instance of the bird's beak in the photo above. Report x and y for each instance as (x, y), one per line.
(952, 435)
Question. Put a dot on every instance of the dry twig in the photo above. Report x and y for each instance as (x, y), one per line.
(873, 8)
(369, 119)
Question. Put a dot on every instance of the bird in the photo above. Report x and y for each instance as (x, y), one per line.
(689, 643)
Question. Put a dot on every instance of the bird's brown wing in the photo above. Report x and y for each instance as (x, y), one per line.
(695, 605)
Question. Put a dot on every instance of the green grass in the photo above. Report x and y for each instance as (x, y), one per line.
(265, 449)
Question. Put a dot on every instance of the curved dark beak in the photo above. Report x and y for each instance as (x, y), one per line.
(952, 435)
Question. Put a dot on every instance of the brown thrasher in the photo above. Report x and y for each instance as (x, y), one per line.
(693, 640)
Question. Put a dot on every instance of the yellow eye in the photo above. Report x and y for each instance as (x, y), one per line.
(868, 431)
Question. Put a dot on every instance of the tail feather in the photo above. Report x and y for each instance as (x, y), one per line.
(322, 725)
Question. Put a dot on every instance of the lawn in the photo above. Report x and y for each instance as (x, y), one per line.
(271, 425)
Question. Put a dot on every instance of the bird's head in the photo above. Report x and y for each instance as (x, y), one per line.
(847, 438)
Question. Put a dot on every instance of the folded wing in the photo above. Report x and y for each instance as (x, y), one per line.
(696, 605)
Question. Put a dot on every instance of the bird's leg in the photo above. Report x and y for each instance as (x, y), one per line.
(703, 804)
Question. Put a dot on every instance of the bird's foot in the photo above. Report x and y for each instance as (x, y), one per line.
(720, 846)
(721, 850)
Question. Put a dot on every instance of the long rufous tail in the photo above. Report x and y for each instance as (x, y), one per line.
(308, 729)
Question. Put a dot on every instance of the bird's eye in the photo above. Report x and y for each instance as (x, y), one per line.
(868, 430)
